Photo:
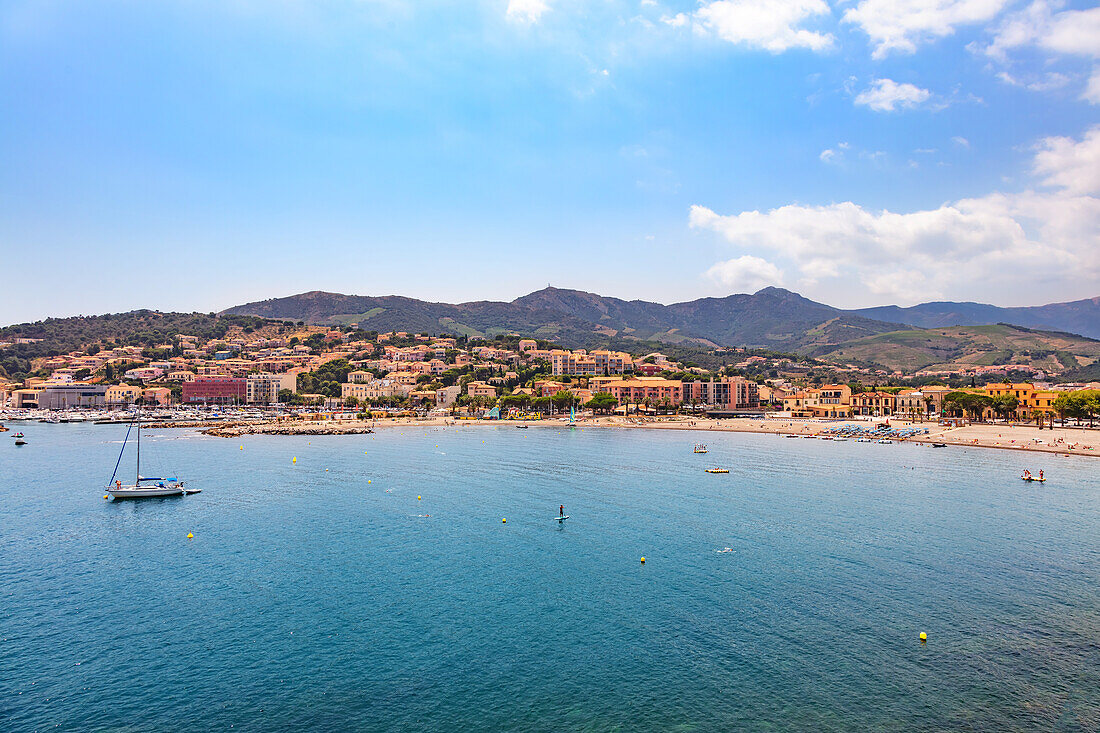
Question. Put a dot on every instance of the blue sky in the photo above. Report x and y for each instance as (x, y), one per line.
(195, 155)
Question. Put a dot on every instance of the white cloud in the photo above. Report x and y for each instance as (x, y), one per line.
(1036, 83)
(901, 25)
(1070, 165)
(1041, 25)
(962, 142)
(773, 25)
(827, 155)
(886, 95)
(526, 11)
(745, 274)
(980, 247)
(1092, 91)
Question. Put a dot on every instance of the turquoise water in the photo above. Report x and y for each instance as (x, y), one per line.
(312, 599)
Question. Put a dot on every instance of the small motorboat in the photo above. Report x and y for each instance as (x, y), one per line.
(20, 441)
(717, 470)
(521, 427)
(1032, 478)
(939, 445)
(17, 436)
(699, 449)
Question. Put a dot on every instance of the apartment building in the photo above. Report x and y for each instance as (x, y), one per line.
(727, 393)
(263, 389)
(581, 363)
(640, 389)
(122, 394)
(874, 404)
(213, 390)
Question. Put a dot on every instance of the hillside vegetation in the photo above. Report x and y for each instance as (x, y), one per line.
(966, 346)
(771, 318)
(135, 328)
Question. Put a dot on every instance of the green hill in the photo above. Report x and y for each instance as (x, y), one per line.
(966, 346)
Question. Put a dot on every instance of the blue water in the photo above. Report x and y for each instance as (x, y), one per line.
(312, 599)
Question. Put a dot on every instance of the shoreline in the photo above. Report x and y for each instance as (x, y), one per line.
(1059, 441)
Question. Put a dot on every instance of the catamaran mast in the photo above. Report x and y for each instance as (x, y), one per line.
(138, 479)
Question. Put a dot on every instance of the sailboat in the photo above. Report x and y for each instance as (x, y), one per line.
(143, 486)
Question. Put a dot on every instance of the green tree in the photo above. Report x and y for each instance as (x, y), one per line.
(1005, 405)
(562, 399)
(602, 402)
(967, 403)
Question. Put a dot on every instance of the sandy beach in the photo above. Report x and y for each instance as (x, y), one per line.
(1064, 441)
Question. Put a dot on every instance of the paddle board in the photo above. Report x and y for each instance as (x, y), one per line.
(562, 519)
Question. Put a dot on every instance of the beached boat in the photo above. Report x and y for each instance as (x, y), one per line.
(144, 487)
(939, 445)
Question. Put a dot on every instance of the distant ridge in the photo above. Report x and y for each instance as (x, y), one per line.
(771, 317)
(1080, 316)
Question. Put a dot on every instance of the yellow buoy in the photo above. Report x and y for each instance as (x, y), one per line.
(326, 470)
(643, 561)
(418, 498)
(923, 637)
(504, 520)
(242, 447)
(104, 496)
(190, 536)
(368, 481)
(294, 459)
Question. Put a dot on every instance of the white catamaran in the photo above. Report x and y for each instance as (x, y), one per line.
(143, 486)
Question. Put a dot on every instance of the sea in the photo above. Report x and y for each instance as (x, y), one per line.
(417, 579)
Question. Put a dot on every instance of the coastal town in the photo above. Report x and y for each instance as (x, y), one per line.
(283, 372)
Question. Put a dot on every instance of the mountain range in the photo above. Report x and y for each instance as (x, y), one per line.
(770, 318)
(1080, 316)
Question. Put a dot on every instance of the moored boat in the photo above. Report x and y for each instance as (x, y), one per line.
(144, 487)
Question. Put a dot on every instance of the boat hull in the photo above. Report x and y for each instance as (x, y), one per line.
(146, 492)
